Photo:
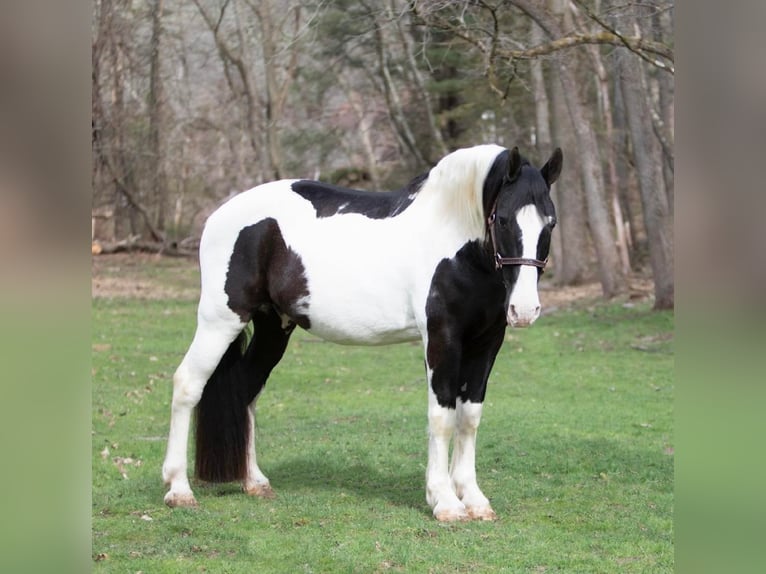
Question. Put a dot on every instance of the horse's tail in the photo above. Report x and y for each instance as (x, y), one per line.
(222, 425)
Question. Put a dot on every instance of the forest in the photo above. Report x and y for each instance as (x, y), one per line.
(193, 101)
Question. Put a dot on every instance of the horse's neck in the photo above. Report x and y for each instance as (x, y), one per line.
(449, 214)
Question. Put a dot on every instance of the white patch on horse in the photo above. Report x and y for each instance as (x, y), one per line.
(524, 303)
(463, 464)
(459, 180)
(440, 492)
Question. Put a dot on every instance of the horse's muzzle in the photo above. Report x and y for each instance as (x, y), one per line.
(522, 317)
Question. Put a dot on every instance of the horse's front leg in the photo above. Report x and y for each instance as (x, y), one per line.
(440, 493)
(463, 466)
(476, 364)
(442, 367)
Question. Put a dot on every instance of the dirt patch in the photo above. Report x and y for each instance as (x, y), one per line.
(553, 297)
(143, 276)
(133, 288)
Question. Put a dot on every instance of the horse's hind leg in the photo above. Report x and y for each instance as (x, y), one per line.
(256, 483)
(270, 337)
(211, 339)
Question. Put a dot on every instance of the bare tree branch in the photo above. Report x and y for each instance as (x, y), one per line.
(123, 188)
(487, 42)
(637, 45)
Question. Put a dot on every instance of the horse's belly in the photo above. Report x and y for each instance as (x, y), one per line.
(353, 324)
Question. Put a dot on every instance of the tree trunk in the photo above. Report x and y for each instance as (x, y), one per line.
(620, 143)
(154, 105)
(365, 122)
(393, 101)
(572, 229)
(613, 280)
(602, 88)
(277, 87)
(543, 141)
(418, 80)
(663, 25)
(234, 57)
(658, 219)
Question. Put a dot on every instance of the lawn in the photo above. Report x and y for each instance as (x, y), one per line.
(575, 452)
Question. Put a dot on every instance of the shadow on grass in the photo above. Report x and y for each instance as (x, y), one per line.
(401, 488)
(541, 463)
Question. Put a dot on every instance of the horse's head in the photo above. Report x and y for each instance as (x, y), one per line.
(520, 218)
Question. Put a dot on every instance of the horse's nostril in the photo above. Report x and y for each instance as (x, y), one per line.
(514, 314)
(537, 311)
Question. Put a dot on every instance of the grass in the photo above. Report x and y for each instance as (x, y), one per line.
(575, 453)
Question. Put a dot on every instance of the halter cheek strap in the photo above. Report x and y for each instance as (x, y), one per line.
(501, 261)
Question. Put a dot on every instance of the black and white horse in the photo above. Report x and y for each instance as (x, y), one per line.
(451, 259)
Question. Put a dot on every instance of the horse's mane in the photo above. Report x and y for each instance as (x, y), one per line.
(456, 184)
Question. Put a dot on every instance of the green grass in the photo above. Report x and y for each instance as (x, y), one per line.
(575, 452)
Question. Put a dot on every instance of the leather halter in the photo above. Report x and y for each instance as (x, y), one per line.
(501, 261)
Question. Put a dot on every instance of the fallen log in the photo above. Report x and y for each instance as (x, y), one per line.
(130, 245)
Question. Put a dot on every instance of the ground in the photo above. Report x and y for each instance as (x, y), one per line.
(576, 452)
(143, 276)
(152, 276)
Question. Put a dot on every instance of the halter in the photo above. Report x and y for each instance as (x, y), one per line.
(501, 261)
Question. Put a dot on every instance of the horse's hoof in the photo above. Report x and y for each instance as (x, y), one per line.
(481, 513)
(259, 490)
(451, 515)
(180, 499)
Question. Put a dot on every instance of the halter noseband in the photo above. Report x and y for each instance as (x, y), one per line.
(501, 261)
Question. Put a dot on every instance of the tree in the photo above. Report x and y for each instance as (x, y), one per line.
(195, 101)
(116, 160)
(574, 264)
(155, 107)
(647, 153)
(613, 280)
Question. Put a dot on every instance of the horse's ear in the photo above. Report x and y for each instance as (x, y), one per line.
(552, 169)
(514, 163)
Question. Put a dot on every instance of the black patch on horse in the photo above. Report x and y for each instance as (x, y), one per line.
(264, 272)
(526, 185)
(465, 319)
(329, 200)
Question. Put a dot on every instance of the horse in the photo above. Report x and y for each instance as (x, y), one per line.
(451, 260)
